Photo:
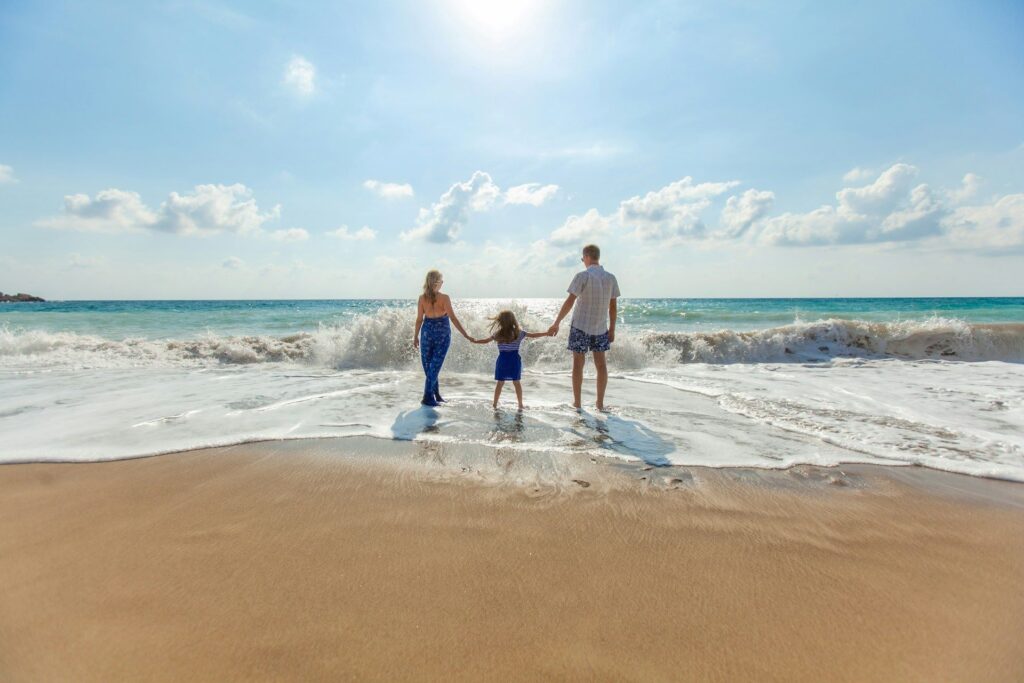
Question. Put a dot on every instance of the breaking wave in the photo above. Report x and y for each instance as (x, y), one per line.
(384, 340)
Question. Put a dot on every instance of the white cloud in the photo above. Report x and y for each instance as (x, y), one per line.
(820, 226)
(920, 217)
(858, 175)
(7, 174)
(211, 209)
(672, 212)
(530, 193)
(890, 209)
(300, 76)
(881, 196)
(207, 210)
(995, 226)
(743, 211)
(578, 230)
(446, 217)
(362, 234)
(112, 211)
(389, 190)
(290, 235)
(968, 189)
(232, 263)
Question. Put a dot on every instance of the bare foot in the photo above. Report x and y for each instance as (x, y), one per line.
(520, 407)
(495, 405)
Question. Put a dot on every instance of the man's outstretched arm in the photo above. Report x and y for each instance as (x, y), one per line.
(566, 307)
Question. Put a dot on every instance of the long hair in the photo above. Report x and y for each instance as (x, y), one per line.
(429, 291)
(505, 327)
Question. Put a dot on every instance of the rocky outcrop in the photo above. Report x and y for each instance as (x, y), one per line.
(10, 298)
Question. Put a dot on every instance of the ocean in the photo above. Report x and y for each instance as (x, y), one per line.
(772, 383)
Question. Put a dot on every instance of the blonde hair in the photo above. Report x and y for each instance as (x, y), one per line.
(429, 285)
(505, 327)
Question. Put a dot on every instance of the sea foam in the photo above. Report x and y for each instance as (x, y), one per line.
(384, 341)
(939, 392)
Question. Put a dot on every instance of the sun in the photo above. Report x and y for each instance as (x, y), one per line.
(497, 20)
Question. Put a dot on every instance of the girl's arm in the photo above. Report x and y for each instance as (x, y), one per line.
(419, 323)
(482, 341)
(455, 318)
(534, 335)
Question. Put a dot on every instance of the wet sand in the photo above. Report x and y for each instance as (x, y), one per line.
(306, 562)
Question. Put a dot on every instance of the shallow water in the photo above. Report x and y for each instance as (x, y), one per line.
(934, 382)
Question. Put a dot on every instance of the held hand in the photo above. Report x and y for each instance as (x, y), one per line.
(553, 330)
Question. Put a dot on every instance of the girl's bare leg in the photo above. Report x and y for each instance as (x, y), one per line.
(497, 392)
(519, 392)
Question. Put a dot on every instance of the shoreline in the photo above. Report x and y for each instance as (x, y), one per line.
(364, 444)
(325, 559)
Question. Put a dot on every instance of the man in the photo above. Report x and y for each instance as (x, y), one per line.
(594, 293)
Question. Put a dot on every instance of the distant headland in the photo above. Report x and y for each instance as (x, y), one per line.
(14, 298)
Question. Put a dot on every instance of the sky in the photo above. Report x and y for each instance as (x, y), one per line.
(215, 149)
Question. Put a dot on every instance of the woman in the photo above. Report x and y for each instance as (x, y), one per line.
(433, 334)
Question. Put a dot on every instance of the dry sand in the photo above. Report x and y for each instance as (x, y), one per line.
(299, 563)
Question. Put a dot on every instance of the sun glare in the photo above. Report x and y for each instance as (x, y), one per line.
(496, 19)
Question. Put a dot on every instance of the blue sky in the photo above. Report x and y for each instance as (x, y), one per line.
(272, 149)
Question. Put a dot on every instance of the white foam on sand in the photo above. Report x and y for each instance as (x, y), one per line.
(939, 392)
(956, 416)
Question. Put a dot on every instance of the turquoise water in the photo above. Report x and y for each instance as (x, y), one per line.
(188, 319)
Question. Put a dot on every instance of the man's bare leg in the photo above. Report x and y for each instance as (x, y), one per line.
(578, 359)
(602, 377)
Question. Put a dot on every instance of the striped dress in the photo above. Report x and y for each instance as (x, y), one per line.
(509, 366)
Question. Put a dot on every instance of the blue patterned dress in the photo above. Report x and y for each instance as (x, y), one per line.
(435, 337)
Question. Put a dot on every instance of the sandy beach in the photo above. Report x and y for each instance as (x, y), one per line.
(301, 561)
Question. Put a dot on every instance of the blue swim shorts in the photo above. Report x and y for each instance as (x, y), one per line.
(581, 342)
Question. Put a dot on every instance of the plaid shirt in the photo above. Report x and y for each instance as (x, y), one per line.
(594, 289)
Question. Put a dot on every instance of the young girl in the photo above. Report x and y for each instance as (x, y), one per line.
(506, 332)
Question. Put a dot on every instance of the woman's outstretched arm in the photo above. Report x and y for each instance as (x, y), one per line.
(419, 323)
(455, 318)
